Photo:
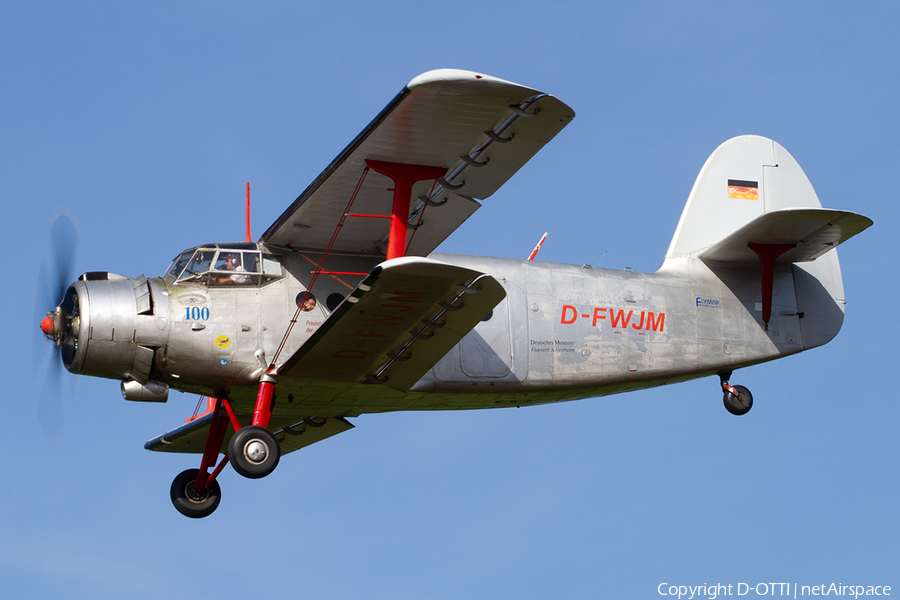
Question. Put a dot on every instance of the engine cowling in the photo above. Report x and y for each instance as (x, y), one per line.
(111, 328)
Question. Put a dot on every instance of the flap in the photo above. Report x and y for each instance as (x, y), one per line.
(481, 129)
(814, 230)
(291, 434)
(402, 319)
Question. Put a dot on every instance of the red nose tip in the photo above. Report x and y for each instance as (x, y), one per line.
(47, 325)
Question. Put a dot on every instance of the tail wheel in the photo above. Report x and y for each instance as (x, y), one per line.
(190, 501)
(738, 399)
(254, 451)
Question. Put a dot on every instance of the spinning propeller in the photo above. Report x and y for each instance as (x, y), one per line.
(59, 324)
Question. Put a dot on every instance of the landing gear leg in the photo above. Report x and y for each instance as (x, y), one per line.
(254, 451)
(195, 493)
(737, 399)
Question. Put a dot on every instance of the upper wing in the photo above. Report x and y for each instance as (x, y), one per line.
(480, 128)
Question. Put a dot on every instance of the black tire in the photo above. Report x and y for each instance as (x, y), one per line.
(740, 402)
(241, 451)
(189, 501)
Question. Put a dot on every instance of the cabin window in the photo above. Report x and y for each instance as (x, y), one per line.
(234, 267)
(240, 264)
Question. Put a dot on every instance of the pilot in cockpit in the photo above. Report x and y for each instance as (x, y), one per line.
(232, 262)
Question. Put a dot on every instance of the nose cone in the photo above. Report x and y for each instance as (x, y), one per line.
(47, 326)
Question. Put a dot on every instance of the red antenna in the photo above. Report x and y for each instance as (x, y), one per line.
(536, 248)
(248, 212)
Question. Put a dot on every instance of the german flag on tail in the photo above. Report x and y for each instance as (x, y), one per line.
(743, 190)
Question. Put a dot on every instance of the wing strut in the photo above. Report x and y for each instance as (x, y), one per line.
(403, 176)
(259, 442)
(315, 276)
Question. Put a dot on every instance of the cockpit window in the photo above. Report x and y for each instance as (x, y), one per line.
(199, 266)
(179, 263)
(240, 264)
(236, 268)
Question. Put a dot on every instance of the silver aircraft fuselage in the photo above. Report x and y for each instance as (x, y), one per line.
(563, 332)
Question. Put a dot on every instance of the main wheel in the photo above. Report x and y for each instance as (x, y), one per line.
(190, 501)
(739, 402)
(254, 451)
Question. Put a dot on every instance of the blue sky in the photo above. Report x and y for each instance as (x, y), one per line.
(146, 120)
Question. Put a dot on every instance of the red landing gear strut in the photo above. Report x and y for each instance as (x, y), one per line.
(195, 492)
(253, 451)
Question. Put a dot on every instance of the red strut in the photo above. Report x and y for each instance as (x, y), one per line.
(767, 254)
(263, 410)
(403, 176)
(249, 239)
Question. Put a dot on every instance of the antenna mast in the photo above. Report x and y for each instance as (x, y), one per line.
(248, 212)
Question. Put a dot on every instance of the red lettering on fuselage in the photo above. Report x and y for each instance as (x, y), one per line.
(619, 318)
(658, 324)
(641, 324)
(615, 318)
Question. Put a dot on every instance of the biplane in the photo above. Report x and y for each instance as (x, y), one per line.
(343, 308)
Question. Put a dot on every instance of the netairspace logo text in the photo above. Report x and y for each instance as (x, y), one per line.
(791, 590)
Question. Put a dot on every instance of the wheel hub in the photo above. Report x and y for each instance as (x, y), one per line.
(195, 495)
(256, 451)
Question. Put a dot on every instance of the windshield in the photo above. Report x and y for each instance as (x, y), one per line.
(179, 263)
(225, 264)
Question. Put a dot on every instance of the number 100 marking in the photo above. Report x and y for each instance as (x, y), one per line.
(195, 313)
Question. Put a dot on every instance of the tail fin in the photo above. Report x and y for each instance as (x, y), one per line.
(752, 205)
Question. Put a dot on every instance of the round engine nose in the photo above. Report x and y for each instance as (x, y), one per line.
(47, 326)
(67, 329)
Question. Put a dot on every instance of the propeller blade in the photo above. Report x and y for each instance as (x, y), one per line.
(43, 295)
(55, 274)
(50, 403)
(64, 243)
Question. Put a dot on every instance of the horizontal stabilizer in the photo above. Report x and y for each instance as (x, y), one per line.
(815, 231)
(292, 435)
(400, 321)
